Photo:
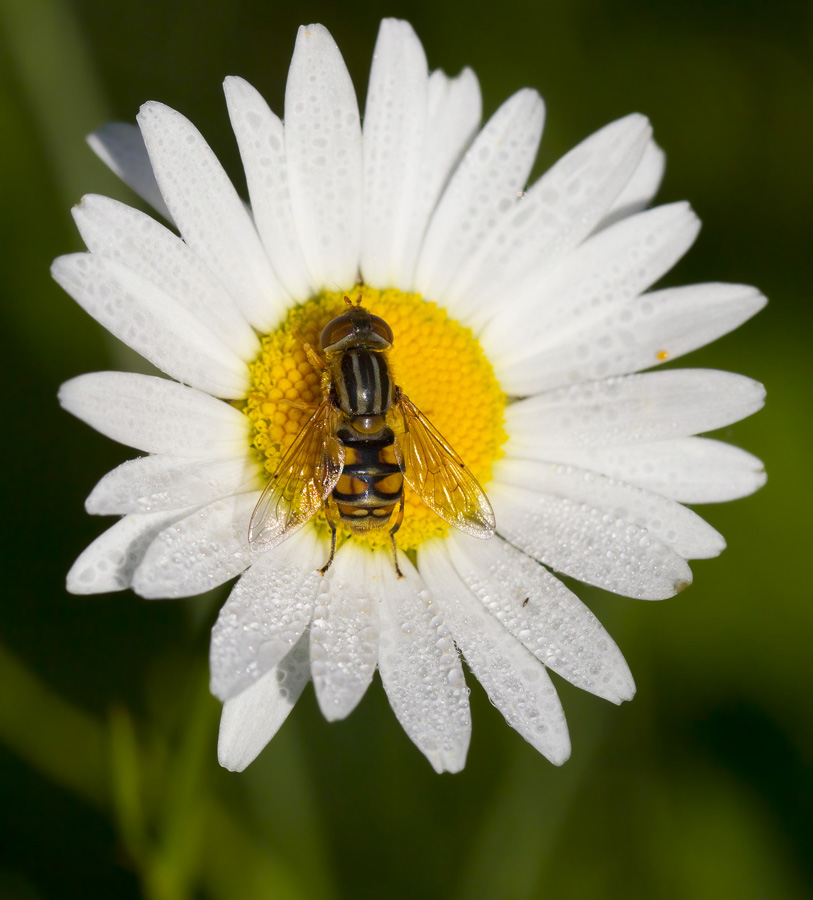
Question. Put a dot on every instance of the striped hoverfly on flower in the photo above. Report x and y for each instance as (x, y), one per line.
(361, 443)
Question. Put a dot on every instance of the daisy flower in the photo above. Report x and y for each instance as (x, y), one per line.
(522, 317)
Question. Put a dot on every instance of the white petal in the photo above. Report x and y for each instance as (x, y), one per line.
(597, 278)
(516, 683)
(251, 719)
(676, 526)
(644, 331)
(421, 671)
(641, 189)
(588, 543)
(558, 212)
(199, 552)
(158, 483)
(344, 634)
(266, 613)
(690, 469)
(109, 562)
(156, 415)
(323, 147)
(150, 321)
(394, 136)
(111, 229)
(543, 614)
(650, 407)
(261, 137)
(487, 181)
(453, 117)
(210, 215)
(120, 146)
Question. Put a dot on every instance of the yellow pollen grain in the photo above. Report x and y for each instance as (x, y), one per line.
(437, 363)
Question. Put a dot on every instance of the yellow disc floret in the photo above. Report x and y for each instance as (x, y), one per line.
(435, 361)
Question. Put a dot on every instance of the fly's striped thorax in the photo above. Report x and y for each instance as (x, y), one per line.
(361, 379)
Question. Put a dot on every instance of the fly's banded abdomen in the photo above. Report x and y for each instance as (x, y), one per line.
(371, 483)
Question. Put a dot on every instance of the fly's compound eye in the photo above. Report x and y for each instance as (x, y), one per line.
(336, 330)
(381, 328)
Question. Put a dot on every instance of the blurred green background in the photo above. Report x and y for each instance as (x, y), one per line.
(700, 788)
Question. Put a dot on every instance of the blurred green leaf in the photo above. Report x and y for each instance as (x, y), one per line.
(64, 743)
(711, 836)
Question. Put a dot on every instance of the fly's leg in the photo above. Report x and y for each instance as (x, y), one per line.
(318, 363)
(398, 520)
(313, 357)
(332, 525)
(297, 404)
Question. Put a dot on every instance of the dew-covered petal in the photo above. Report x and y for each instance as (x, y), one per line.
(516, 683)
(153, 323)
(600, 275)
(676, 526)
(112, 229)
(395, 119)
(210, 215)
(453, 117)
(344, 634)
(654, 406)
(109, 562)
(120, 146)
(543, 614)
(158, 483)
(487, 181)
(560, 210)
(156, 415)
(641, 189)
(199, 552)
(251, 719)
(266, 614)
(588, 543)
(644, 331)
(421, 671)
(323, 148)
(261, 137)
(690, 469)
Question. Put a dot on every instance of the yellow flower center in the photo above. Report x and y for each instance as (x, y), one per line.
(436, 362)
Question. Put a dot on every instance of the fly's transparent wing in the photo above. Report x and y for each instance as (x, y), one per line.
(438, 475)
(304, 478)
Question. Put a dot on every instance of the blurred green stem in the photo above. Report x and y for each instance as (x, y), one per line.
(128, 784)
(517, 839)
(182, 806)
(55, 74)
(53, 70)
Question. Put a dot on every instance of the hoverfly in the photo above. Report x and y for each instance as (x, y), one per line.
(361, 443)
